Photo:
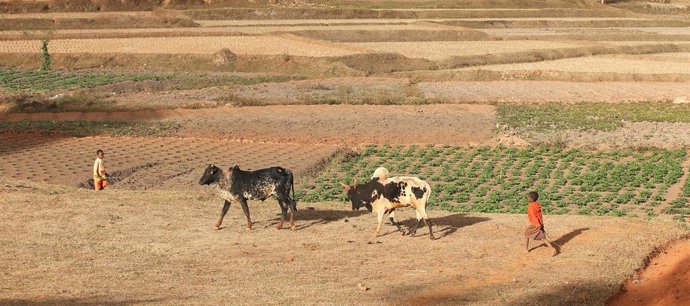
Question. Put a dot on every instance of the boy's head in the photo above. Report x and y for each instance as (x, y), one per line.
(533, 196)
(100, 153)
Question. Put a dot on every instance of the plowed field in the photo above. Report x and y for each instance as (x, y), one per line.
(142, 163)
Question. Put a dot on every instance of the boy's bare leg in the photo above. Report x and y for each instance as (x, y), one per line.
(526, 245)
(555, 251)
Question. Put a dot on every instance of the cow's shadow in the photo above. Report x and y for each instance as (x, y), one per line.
(308, 217)
(446, 225)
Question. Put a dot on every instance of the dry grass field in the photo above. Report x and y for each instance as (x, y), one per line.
(64, 246)
(586, 103)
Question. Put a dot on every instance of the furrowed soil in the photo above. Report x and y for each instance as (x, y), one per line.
(65, 245)
(143, 163)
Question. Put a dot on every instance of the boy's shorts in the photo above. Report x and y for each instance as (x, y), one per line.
(533, 232)
(99, 184)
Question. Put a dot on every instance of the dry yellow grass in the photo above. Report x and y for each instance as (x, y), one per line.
(262, 45)
(63, 245)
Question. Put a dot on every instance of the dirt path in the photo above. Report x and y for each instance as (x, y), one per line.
(318, 124)
(62, 245)
(666, 281)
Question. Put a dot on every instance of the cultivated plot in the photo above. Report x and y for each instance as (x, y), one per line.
(141, 163)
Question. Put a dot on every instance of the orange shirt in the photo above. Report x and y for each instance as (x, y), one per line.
(534, 214)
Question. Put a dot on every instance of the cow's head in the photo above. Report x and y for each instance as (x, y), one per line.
(353, 194)
(212, 175)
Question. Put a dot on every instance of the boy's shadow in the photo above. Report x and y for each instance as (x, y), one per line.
(564, 239)
(569, 236)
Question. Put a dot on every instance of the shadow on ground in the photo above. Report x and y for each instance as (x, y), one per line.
(446, 225)
(569, 236)
(89, 301)
(308, 216)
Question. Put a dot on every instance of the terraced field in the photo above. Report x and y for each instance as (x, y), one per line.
(486, 100)
(673, 64)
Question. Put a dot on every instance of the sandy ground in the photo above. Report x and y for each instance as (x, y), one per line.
(63, 245)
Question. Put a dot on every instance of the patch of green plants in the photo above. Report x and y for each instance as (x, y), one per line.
(588, 116)
(45, 80)
(497, 179)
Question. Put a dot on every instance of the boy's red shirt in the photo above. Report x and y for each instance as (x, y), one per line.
(534, 214)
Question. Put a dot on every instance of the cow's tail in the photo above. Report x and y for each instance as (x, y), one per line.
(291, 179)
(427, 195)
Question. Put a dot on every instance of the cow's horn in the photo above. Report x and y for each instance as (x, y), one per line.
(354, 182)
(346, 186)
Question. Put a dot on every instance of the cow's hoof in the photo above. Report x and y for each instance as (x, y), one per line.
(405, 233)
(217, 228)
(277, 228)
(293, 228)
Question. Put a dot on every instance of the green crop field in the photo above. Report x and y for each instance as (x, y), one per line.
(41, 81)
(484, 179)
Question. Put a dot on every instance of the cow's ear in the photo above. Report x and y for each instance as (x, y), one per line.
(346, 186)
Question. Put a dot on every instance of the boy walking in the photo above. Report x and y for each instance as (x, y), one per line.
(535, 230)
(100, 177)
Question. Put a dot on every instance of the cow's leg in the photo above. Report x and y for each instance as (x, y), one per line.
(391, 217)
(427, 221)
(293, 209)
(413, 231)
(283, 213)
(245, 208)
(224, 211)
(379, 216)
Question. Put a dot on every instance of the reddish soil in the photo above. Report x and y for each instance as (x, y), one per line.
(318, 124)
(666, 281)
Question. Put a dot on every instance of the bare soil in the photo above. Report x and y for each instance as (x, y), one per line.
(64, 245)
(317, 124)
(144, 163)
(665, 281)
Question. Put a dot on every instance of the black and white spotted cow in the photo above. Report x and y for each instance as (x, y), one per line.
(240, 186)
(383, 196)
